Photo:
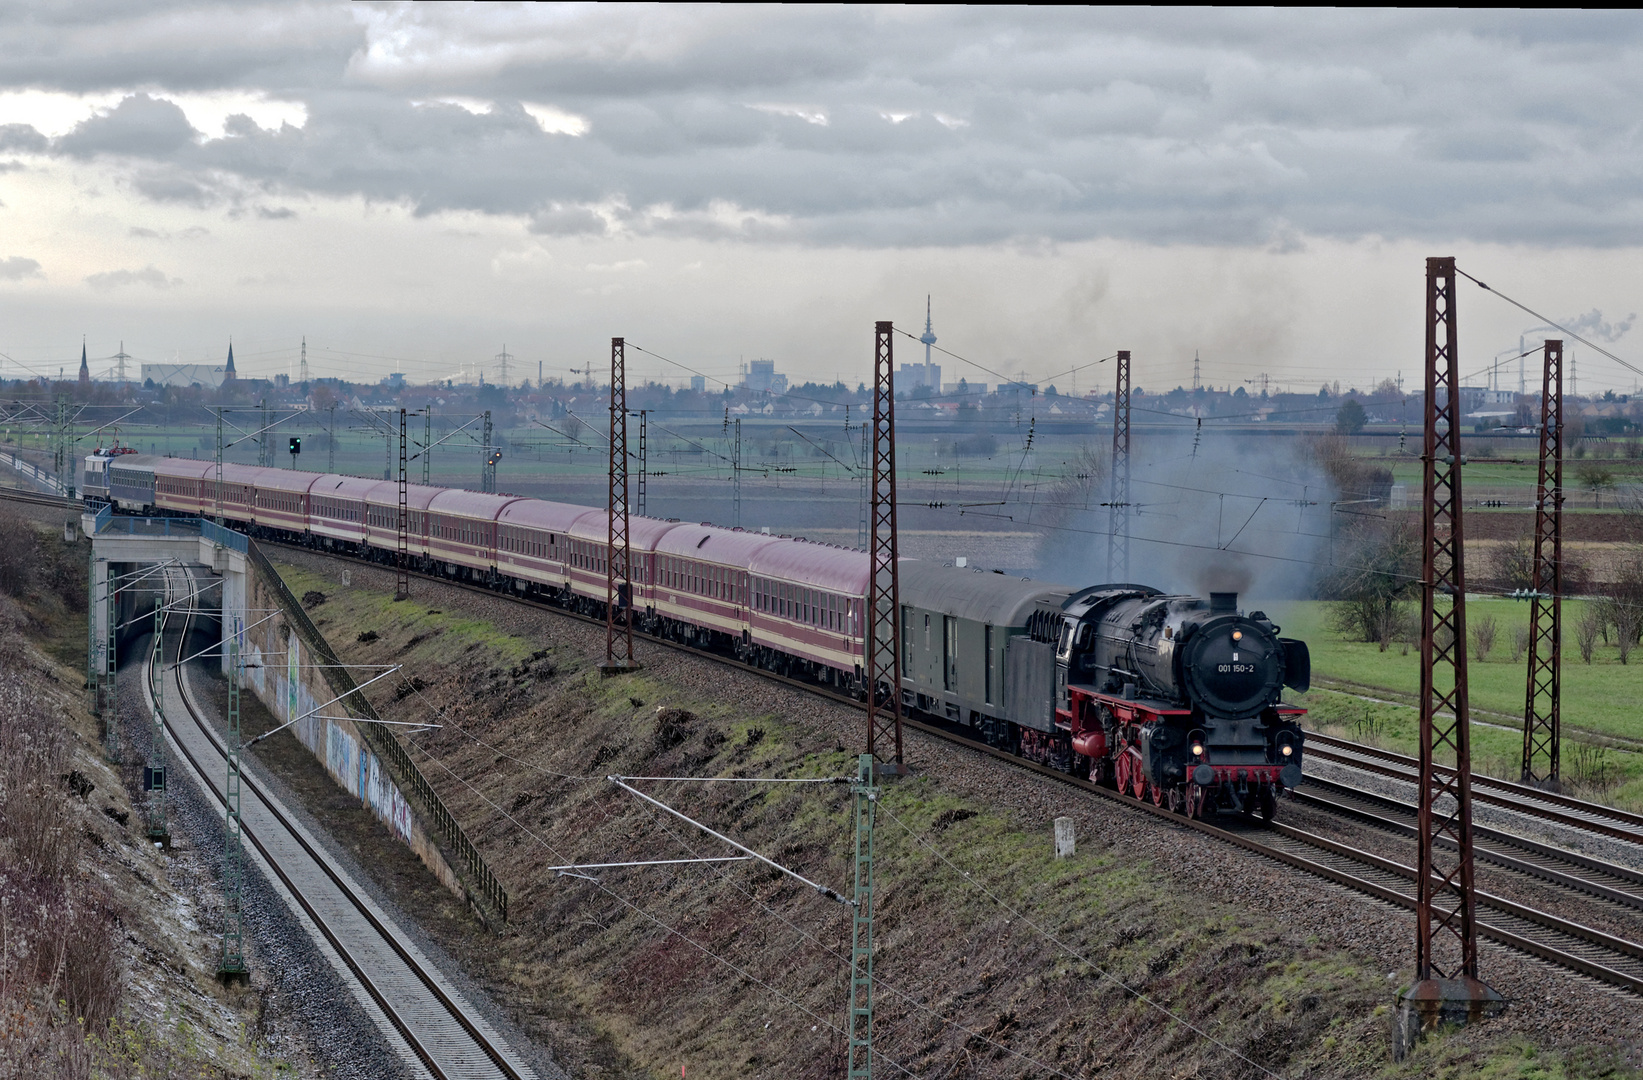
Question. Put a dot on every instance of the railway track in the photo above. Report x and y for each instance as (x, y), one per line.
(1534, 802)
(410, 996)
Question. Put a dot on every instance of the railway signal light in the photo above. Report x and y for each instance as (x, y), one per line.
(296, 445)
(495, 456)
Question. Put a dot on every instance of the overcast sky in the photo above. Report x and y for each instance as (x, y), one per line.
(411, 187)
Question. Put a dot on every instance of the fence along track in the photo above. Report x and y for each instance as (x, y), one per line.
(431, 1018)
(381, 740)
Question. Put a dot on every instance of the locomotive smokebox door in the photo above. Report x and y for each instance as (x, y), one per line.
(1230, 670)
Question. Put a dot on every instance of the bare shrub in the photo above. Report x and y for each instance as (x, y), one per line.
(1586, 631)
(17, 554)
(1520, 642)
(35, 812)
(1628, 621)
(1590, 767)
(1483, 636)
(1511, 565)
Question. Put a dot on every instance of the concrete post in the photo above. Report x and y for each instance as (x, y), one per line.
(1064, 837)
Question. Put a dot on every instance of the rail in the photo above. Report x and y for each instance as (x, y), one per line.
(389, 749)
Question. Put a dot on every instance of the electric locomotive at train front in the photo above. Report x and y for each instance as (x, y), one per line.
(1183, 697)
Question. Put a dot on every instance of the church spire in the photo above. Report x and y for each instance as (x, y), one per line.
(85, 369)
(229, 375)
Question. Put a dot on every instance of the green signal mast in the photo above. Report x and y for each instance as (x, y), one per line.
(231, 964)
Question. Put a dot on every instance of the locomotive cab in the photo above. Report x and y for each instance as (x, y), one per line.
(1180, 699)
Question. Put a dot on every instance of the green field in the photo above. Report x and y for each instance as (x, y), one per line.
(1602, 720)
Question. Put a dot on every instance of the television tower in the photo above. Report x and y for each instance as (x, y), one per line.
(1197, 383)
(928, 338)
(304, 378)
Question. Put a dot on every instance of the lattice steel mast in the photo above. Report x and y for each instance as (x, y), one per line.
(644, 465)
(1542, 707)
(1118, 518)
(736, 476)
(487, 473)
(883, 622)
(618, 582)
(402, 562)
(1446, 985)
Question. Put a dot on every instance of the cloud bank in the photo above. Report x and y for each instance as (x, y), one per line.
(869, 127)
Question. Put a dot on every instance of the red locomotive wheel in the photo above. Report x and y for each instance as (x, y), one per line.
(1158, 795)
(1176, 801)
(1121, 766)
(1195, 801)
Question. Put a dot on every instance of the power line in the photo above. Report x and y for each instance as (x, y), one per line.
(1628, 365)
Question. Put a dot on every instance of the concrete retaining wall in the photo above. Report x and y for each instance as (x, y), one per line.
(285, 678)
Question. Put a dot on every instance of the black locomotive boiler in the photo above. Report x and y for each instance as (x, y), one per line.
(1184, 697)
(1170, 698)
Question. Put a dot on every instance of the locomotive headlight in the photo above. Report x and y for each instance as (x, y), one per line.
(1286, 750)
(1237, 635)
(1197, 749)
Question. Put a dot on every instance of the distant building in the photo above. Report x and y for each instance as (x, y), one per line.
(761, 377)
(229, 374)
(85, 369)
(396, 380)
(698, 383)
(208, 376)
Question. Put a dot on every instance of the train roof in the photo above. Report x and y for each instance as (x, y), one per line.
(291, 480)
(187, 468)
(386, 493)
(338, 486)
(836, 569)
(713, 543)
(644, 533)
(480, 505)
(551, 517)
(978, 595)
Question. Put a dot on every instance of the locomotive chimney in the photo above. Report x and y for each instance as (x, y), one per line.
(1223, 601)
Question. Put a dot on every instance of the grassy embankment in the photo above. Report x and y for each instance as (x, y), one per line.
(531, 733)
(1602, 725)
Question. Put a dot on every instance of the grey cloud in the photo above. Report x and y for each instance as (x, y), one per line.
(1233, 127)
(24, 138)
(149, 275)
(16, 268)
(278, 213)
(193, 232)
(139, 126)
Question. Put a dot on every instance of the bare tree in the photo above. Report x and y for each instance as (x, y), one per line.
(1586, 631)
(1483, 636)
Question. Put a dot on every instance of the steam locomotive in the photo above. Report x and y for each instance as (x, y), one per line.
(1170, 698)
